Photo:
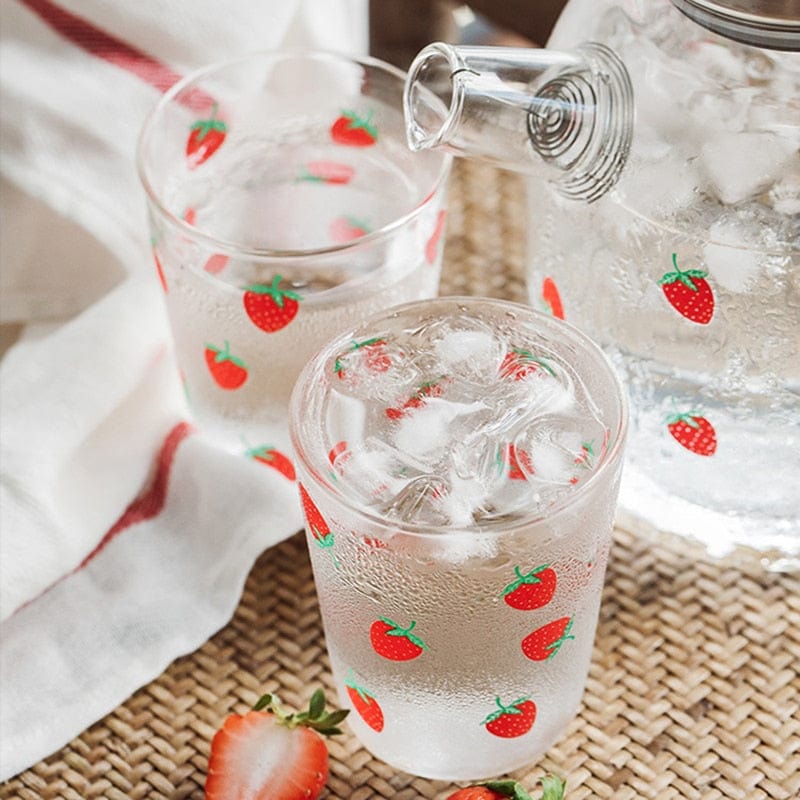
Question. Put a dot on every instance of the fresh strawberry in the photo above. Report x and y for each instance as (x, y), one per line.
(518, 364)
(345, 229)
(365, 704)
(395, 642)
(315, 522)
(513, 720)
(355, 131)
(545, 642)
(428, 389)
(432, 245)
(516, 461)
(332, 172)
(372, 353)
(228, 371)
(273, 458)
(269, 307)
(552, 298)
(502, 790)
(205, 138)
(532, 589)
(267, 754)
(694, 432)
(689, 293)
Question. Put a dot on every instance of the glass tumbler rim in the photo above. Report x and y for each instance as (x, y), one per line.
(231, 247)
(298, 406)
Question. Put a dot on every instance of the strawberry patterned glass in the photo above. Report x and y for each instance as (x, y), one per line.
(458, 464)
(284, 204)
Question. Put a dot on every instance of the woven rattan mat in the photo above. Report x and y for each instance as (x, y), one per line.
(693, 690)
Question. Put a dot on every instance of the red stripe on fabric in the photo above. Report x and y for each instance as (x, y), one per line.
(148, 504)
(102, 44)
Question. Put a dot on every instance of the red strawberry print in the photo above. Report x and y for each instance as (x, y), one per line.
(373, 357)
(552, 298)
(205, 138)
(330, 172)
(338, 454)
(519, 364)
(346, 229)
(267, 754)
(160, 270)
(315, 522)
(395, 642)
(689, 293)
(269, 307)
(417, 400)
(513, 720)
(365, 704)
(516, 461)
(504, 789)
(354, 131)
(432, 245)
(216, 263)
(584, 459)
(273, 458)
(694, 432)
(530, 590)
(545, 642)
(228, 371)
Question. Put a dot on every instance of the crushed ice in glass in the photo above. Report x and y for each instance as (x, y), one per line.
(458, 421)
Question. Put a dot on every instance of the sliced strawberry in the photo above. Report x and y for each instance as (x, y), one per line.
(266, 754)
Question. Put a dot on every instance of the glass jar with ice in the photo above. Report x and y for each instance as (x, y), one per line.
(684, 264)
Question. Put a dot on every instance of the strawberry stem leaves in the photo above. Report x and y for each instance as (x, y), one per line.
(553, 788)
(277, 295)
(205, 126)
(502, 710)
(683, 276)
(522, 579)
(316, 718)
(399, 630)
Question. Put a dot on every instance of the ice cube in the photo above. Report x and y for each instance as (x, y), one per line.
(729, 259)
(551, 463)
(784, 196)
(741, 166)
(469, 352)
(662, 187)
(424, 431)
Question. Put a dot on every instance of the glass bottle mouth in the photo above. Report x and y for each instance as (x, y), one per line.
(773, 24)
(524, 108)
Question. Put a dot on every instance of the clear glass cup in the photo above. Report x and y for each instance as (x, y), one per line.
(458, 462)
(284, 205)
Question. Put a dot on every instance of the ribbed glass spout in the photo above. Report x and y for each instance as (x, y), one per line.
(525, 109)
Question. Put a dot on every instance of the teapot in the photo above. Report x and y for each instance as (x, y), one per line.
(661, 145)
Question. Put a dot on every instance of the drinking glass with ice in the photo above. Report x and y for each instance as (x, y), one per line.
(458, 462)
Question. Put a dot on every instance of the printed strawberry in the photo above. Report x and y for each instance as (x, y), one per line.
(516, 461)
(273, 458)
(432, 245)
(267, 754)
(269, 307)
(584, 459)
(190, 215)
(513, 720)
(426, 390)
(205, 138)
(345, 229)
(532, 589)
(331, 172)
(689, 293)
(338, 453)
(216, 263)
(315, 522)
(694, 432)
(228, 371)
(365, 704)
(519, 363)
(373, 357)
(501, 790)
(545, 642)
(552, 298)
(354, 131)
(160, 270)
(395, 642)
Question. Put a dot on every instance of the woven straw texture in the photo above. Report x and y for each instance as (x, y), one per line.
(693, 690)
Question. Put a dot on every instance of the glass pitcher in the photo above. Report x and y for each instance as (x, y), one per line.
(664, 220)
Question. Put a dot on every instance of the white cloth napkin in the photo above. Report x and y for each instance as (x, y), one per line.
(125, 536)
